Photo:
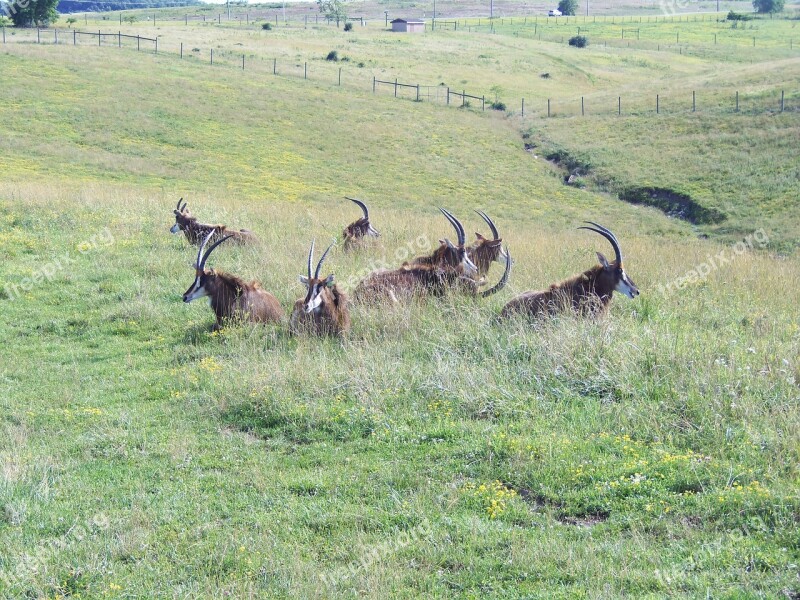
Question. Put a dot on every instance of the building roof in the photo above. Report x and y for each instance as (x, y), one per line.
(408, 21)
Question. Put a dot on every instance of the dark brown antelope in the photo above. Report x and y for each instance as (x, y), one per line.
(356, 233)
(231, 298)
(324, 309)
(486, 251)
(588, 293)
(448, 255)
(196, 232)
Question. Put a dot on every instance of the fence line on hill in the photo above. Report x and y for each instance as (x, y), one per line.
(600, 104)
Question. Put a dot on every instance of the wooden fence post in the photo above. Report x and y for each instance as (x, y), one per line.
(305, 70)
(418, 93)
(548, 107)
(656, 103)
(619, 105)
(156, 41)
(181, 49)
(694, 105)
(483, 103)
(99, 38)
(242, 62)
(582, 113)
(395, 87)
(463, 97)
(737, 101)
(340, 76)
(38, 37)
(373, 84)
(4, 35)
(274, 66)
(448, 96)
(781, 100)
(212, 56)
(138, 42)
(523, 107)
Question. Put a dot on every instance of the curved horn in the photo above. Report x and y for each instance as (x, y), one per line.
(183, 208)
(178, 208)
(311, 257)
(322, 259)
(363, 206)
(606, 233)
(503, 280)
(210, 250)
(462, 236)
(490, 223)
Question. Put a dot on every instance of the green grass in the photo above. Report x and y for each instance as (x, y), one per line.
(434, 452)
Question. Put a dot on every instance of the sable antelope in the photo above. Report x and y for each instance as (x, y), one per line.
(355, 233)
(448, 255)
(411, 281)
(486, 251)
(196, 232)
(588, 293)
(231, 297)
(324, 310)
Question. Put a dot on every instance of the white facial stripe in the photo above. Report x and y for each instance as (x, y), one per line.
(175, 228)
(197, 291)
(315, 301)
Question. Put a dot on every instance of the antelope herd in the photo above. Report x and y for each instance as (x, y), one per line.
(451, 268)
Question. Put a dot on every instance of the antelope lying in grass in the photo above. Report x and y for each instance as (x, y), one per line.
(196, 232)
(486, 251)
(230, 297)
(448, 255)
(356, 233)
(588, 293)
(418, 281)
(324, 310)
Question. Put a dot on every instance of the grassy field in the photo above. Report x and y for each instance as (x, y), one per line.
(434, 452)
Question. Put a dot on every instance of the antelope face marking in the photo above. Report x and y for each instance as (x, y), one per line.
(470, 270)
(625, 284)
(197, 289)
(316, 288)
(176, 227)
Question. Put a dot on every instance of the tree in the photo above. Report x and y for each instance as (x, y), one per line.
(30, 13)
(768, 6)
(333, 9)
(568, 7)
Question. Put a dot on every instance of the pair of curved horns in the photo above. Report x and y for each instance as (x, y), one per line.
(361, 205)
(462, 236)
(179, 208)
(321, 260)
(606, 233)
(490, 223)
(201, 262)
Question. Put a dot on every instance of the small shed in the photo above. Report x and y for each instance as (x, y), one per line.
(408, 25)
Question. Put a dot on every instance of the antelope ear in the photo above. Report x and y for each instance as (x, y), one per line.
(329, 281)
(479, 236)
(303, 279)
(449, 243)
(603, 260)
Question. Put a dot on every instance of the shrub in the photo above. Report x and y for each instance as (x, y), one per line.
(579, 41)
(568, 7)
(768, 6)
(332, 55)
(266, 26)
(734, 16)
(348, 27)
(497, 105)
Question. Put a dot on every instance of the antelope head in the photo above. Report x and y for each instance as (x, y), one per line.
(182, 215)
(362, 227)
(455, 255)
(316, 287)
(488, 250)
(613, 276)
(204, 279)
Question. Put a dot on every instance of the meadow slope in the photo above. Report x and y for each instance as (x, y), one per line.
(433, 453)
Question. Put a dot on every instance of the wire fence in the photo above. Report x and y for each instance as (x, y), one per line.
(711, 101)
